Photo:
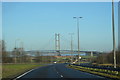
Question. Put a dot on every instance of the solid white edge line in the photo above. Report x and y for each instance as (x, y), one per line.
(23, 74)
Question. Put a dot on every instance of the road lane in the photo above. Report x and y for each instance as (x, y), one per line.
(42, 72)
(72, 73)
(59, 71)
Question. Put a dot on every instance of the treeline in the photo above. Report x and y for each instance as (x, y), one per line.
(107, 58)
(18, 55)
(45, 59)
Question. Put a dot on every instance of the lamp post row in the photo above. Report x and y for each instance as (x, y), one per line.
(113, 32)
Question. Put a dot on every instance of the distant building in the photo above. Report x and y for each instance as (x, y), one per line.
(62, 56)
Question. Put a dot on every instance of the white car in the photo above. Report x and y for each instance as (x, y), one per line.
(55, 62)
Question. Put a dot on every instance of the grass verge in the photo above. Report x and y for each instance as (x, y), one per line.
(95, 71)
(13, 70)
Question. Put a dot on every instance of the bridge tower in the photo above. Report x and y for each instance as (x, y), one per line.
(57, 44)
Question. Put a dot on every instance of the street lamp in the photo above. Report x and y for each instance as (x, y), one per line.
(78, 37)
(113, 30)
(16, 42)
(15, 50)
(21, 49)
(21, 52)
(71, 46)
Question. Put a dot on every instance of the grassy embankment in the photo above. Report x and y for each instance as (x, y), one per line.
(13, 70)
(102, 72)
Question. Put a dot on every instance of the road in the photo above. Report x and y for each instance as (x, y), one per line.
(59, 71)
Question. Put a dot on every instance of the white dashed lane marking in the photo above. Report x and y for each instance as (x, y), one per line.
(61, 75)
(58, 72)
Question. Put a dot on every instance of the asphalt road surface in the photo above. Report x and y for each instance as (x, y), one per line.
(58, 71)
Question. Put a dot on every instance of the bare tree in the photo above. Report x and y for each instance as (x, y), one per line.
(4, 53)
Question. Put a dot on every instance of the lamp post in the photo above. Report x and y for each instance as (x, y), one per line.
(113, 30)
(16, 50)
(16, 42)
(71, 46)
(21, 52)
(78, 37)
(19, 49)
